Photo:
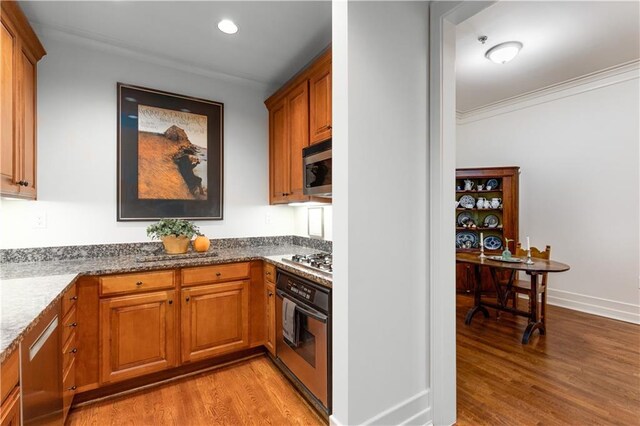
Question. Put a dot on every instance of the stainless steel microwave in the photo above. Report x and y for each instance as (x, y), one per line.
(316, 163)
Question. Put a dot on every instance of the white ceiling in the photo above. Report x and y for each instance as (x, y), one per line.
(562, 40)
(274, 41)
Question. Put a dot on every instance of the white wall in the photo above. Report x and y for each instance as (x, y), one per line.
(380, 353)
(77, 150)
(579, 158)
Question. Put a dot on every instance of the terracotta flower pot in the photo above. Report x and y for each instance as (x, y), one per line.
(176, 245)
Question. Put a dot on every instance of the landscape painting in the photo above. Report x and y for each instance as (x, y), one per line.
(169, 155)
(172, 154)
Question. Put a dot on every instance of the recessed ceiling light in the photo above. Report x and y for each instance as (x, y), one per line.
(227, 26)
(503, 52)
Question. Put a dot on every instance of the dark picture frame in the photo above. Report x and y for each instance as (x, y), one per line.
(170, 156)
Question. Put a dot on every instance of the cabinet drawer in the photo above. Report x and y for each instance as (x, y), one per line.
(69, 299)
(215, 273)
(9, 374)
(69, 325)
(269, 273)
(69, 351)
(68, 388)
(128, 283)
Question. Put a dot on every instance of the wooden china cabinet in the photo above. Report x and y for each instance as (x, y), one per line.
(496, 220)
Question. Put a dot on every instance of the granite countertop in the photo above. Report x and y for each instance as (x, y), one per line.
(29, 289)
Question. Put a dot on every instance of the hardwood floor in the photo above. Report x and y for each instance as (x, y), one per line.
(585, 371)
(251, 392)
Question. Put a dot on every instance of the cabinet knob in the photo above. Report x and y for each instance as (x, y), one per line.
(270, 294)
(329, 127)
(218, 274)
(73, 324)
(72, 388)
(187, 299)
(73, 298)
(171, 302)
(268, 273)
(25, 183)
(73, 351)
(20, 182)
(139, 283)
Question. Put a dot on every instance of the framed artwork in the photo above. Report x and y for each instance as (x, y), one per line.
(169, 156)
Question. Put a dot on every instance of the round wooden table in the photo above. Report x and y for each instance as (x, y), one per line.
(538, 268)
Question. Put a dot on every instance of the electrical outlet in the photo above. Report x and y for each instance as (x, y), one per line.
(40, 220)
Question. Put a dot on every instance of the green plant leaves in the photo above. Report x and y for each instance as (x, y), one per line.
(175, 227)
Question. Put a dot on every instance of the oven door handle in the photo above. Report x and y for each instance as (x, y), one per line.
(318, 316)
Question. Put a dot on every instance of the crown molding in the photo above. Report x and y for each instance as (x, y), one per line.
(109, 45)
(596, 80)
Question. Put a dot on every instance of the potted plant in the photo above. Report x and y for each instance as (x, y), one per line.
(174, 233)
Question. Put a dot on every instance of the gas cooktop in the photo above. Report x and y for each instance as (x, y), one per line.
(318, 262)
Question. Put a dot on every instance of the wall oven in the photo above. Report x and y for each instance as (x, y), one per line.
(316, 163)
(308, 359)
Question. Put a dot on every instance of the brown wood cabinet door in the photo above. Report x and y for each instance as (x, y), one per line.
(11, 409)
(270, 317)
(27, 104)
(298, 126)
(8, 84)
(215, 319)
(320, 104)
(279, 153)
(137, 335)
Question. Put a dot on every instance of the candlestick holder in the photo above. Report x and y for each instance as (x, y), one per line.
(482, 255)
(529, 261)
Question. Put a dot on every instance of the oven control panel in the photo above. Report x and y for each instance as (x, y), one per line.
(300, 290)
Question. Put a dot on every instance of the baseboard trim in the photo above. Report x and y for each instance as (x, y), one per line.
(333, 421)
(621, 311)
(414, 410)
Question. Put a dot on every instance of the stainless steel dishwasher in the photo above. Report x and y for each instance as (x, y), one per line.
(41, 371)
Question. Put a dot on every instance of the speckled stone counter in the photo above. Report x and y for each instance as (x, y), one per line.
(29, 289)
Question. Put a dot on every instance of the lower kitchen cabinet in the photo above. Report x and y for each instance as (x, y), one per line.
(137, 335)
(215, 319)
(10, 409)
(10, 391)
(270, 317)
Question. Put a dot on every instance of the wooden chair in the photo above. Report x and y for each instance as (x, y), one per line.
(519, 286)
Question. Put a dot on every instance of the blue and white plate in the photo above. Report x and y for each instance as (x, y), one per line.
(493, 183)
(491, 221)
(463, 218)
(464, 236)
(467, 201)
(492, 243)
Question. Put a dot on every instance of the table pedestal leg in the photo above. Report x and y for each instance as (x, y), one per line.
(477, 299)
(534, 321)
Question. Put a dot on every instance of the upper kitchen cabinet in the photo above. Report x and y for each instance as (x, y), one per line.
(21, 51)
(299, 115)
(320, 103)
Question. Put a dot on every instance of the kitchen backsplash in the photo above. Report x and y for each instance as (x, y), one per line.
(43, 254)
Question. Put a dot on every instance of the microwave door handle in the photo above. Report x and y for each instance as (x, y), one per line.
(318, 316)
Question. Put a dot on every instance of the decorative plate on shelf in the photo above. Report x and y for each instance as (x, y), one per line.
(465, 236)
(490, 221)
(502, 259)
(463, 218)
(492, 243)
(493, 183)
(467, 201)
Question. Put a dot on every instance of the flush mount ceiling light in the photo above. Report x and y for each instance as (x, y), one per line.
(503, 52)
(227, 26)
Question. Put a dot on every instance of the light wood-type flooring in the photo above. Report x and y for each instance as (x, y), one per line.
(585, 371)
(251, 392)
